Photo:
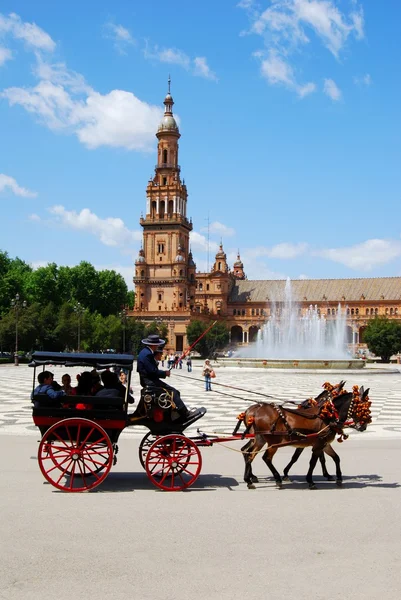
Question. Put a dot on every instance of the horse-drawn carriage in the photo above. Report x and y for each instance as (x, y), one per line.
(80, 434)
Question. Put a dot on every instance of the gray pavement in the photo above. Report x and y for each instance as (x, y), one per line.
(217, 540)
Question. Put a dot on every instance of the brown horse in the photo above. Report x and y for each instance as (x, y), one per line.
(280, 427)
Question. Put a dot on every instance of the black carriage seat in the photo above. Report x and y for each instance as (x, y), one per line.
(65, 407)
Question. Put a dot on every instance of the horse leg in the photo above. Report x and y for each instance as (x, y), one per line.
(324, 468)
(331, 452)
(248, 475)
(312, 464)
(268, 457)
(295, 456)
(250, 452)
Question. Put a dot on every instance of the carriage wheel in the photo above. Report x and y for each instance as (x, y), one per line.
(173, 462)
(75, 455)
(144, 446)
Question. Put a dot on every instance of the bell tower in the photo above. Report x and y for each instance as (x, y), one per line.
(164, 270)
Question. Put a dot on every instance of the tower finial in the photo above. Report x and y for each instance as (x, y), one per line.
(169, 82)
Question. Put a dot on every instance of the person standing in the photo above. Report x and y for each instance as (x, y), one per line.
(189, 363)
(208, 373)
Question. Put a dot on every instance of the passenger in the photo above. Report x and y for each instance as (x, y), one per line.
(151, 375)
(124, 380)
(46, 380)
(84, 388)
(113, 388)
(96, 383)
(67, 387)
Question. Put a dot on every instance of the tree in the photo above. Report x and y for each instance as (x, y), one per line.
(216, 339)
(383, 337)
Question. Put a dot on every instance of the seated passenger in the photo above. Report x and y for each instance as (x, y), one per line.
(67, 387)
(112, 387)
(84, 388)
(151, 375)
(45, 380)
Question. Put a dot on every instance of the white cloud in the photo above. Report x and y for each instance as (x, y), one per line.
(33, 36)
(121, 37)
(34, 217)
(199, 243)
(197, 66)
(62, 100)
(283, 251)
(278, 71)
(363, 80)
(5, 55)
(111, 231)
(9, 183)
(219, 229)
(202, 69)
(364, 256)
(331, 89)
(286, 26)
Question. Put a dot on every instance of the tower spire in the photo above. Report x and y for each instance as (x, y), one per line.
(169, 83)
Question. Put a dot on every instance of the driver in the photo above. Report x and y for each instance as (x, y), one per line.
(150, 374)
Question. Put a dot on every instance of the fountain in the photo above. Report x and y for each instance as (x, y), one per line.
(290, 339)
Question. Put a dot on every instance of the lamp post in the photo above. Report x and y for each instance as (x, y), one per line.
(16, 304)
(123, 316)
(79, 310)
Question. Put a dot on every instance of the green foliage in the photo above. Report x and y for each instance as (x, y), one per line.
(51, 292)
(383, 337)
(216, 339)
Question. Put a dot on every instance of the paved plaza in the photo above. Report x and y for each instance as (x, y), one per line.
(128, 540)
(224, 403)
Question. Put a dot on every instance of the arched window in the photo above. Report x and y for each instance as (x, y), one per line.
(372, 311)
(376, 311)
(170, 207)
(357, 311)
(328, 311)
(243, 313)
(165, 156)
(396, 311)
(352, 311)
(142, 273)
(161, 208)
(153, 208)
(348, 311)
(219, 266)
(391, 311)
(234, 311)
(181, 272)
(253, 312)
(386, 311)
(201, 286)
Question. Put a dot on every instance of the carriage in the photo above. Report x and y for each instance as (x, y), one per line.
(80, 434)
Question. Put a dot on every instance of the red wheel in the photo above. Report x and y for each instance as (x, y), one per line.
(75, 455)
(173, 462)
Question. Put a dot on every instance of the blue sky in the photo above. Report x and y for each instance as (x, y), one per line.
(289, 112)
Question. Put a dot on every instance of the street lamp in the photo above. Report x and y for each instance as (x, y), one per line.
(123, 314)
(79, 310)
(16, 304)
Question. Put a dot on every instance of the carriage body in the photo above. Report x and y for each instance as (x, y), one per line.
(79, 445)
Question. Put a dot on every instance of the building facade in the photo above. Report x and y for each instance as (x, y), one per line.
(169, 289)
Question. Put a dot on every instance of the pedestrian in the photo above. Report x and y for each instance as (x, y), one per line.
(189, 363)
(208, 374)
(180, 362)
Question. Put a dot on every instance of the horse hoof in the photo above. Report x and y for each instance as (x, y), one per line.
(254, 479)
(286, 478)
(329, 477)
(279, 484)
(312, 486)
(251, 486)
(339, 483)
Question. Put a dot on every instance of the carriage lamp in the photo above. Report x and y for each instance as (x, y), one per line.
(16, 305)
